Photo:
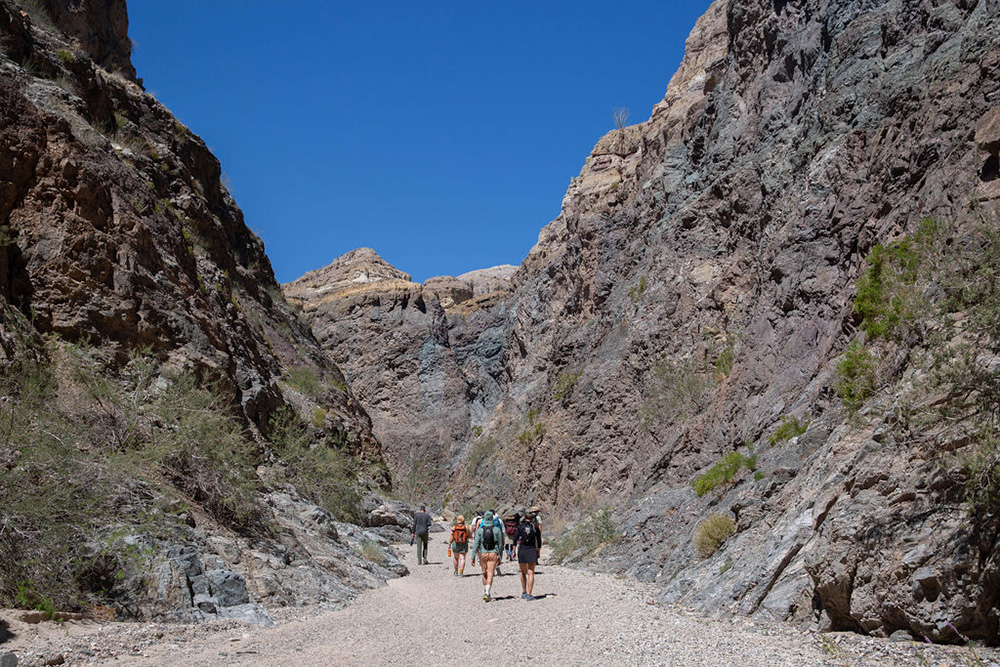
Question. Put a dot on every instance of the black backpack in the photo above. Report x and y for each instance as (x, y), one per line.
(489, 538)
(527, 534)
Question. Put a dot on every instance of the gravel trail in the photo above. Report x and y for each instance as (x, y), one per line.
(434, 618)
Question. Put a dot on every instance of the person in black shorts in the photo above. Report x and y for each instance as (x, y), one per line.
(529, 546)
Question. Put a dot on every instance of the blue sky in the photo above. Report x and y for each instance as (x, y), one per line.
(441, 134)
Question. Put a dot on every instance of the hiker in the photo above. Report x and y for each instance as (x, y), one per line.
(476, 522)
(421, 527)
(535, 511)
(488, 545)
(510, 530)
(529, 546)
(459, 544)
(497, 523)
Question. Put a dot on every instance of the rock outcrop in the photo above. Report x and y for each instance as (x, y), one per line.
(116, 234)
(697, 288)
(415, 355)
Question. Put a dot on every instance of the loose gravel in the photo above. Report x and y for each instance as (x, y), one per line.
(434, 618)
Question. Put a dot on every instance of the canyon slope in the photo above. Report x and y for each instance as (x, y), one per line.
(163, 407)
(696, 295)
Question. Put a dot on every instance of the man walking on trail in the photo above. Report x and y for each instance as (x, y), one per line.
(421, 528)
(529, 546)
(489, 546)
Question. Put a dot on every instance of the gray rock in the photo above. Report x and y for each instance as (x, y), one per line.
(228, 588)
(8, 660)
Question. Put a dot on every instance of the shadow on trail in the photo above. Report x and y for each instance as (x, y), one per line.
(544, 595)
(5, 633)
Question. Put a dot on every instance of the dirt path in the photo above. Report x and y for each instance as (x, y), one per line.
(434, 618)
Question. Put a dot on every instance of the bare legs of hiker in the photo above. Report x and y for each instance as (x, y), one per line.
(488, 560)
(527, 580)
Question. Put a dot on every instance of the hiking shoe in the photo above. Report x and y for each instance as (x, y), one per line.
(529, 598)
(486, 598)
(524, 596)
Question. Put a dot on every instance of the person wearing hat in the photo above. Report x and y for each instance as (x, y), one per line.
(488, 546)
(459, 544)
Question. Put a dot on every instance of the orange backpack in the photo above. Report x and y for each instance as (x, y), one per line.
(460, 535)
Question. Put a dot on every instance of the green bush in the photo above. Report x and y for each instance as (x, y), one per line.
(318, 468)
(66, 56)
(723, 472)
(597, 530)
(635, 293)
(566, 383)
(711, 533)
(790, 427)
(305, 380)
(856, 376)
(724, 362)
(889, 298)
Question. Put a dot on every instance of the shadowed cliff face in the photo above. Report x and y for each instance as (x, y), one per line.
(697, 287)
(118, 239)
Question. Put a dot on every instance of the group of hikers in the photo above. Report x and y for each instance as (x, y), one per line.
(518, 535)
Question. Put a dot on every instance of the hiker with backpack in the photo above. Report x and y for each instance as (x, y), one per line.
(510, 530)
(459, 544)
(497, 523)
(529, 546)
(488, 546)
(421, 530)
(476, 522)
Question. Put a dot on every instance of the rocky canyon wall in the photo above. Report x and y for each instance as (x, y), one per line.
(696, 292)
(120, 247)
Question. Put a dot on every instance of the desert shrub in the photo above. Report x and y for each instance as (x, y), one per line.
(674, 389)
(371, 551)
(856, 373)
(889, 297)
(478, 452)
(727, 356)
(566, 383)
(790, 427)
(66, 56)
(316, 465)
(635, 293)
(63, 490)
(304, 380)
(711, 533)
(982, 468)
(723, 472)
(595, 531)
(206, 454)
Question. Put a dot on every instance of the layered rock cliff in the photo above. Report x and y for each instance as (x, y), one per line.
(126, 269)
(422, 359)
(695, 293)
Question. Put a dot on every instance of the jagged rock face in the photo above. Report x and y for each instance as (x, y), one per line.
(422, 359)
(116, 231)
(715, 248)
(100, 27)
(118, 228)
(733, 223)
